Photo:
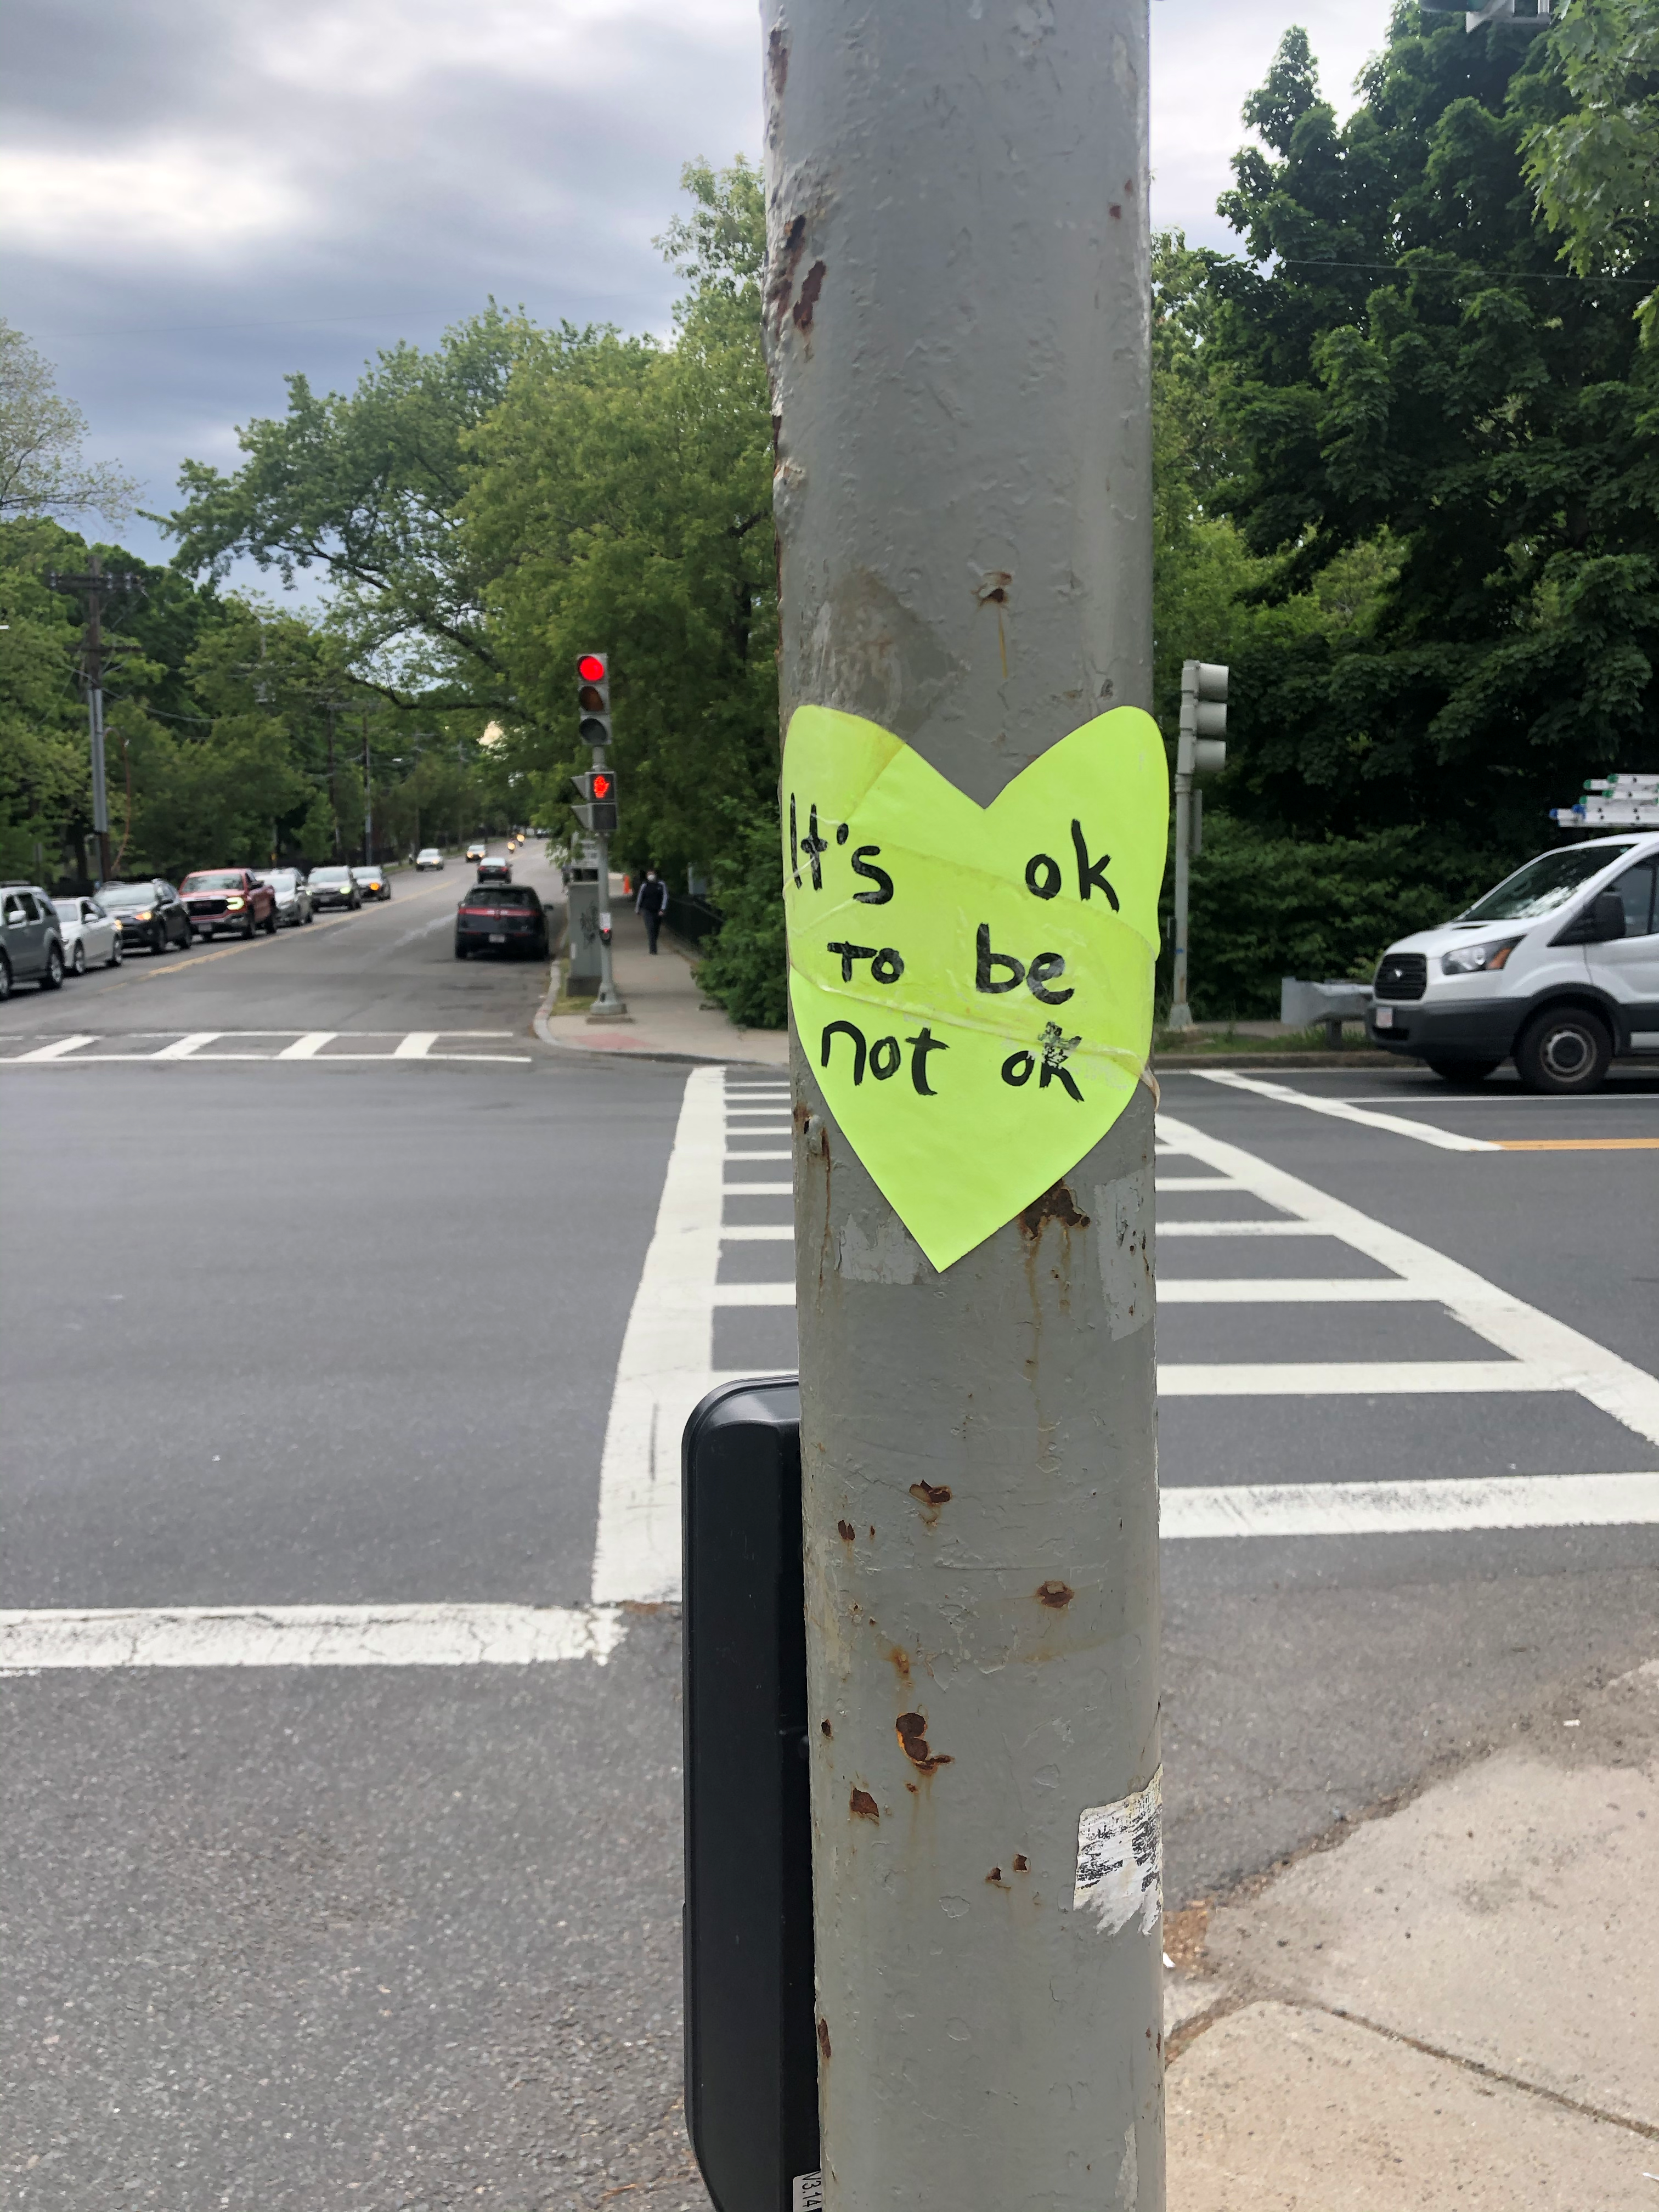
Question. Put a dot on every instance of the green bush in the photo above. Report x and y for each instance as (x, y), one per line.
(1322, 909)
(745, 968)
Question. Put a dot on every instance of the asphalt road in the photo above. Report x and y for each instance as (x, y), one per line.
(296, 1938)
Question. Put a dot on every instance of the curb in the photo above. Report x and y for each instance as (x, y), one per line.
(544, 1027)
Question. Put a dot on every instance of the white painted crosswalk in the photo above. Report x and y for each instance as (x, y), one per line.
(669, 1357)
(315, 1048)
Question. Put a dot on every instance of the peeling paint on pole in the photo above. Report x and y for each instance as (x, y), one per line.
(956, 314)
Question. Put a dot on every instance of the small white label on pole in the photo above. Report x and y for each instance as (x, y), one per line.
(604, 920)
(808, 2193)
(1120, 1860)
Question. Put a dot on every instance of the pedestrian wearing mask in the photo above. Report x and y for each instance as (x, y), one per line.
(652, 901)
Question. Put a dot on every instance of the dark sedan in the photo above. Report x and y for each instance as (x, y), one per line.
(148, 914)
(333, 887)
(501, 918)
(373, 883)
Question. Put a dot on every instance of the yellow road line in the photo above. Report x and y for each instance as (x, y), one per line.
(1577, 1144)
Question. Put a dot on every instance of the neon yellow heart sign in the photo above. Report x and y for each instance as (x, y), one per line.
(973, 986)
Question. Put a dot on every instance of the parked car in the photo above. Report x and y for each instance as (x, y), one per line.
(428, 857)
(497, 870)
(31, 943)
(502, 917)
(292, 899)
(88, 934)
(477, 849)
(1558, 965)
(232, 899)
(374, 882)
(149, 913)
(333, 887)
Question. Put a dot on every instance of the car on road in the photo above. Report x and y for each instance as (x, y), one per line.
(501, 917)
(31, 942)
(228, 899)
(292, 899)
(1558, 966)
(477, 849)
(372, 882)
(428, 857)
(333, 887)
(497, 870)
(149, 913)
(88, 934)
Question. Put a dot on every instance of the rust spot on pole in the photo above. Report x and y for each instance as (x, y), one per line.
(1115, 212)
(825, 1729)
(930, 1496)
(1022, 1864)
(824, 2040)
(801, 313)
(900, 1659)
(912, 1730)
(863, 1806)
(994, 1879)
(777, 60)
(846, 1531)
(1056, 1204)
(1056, 1595)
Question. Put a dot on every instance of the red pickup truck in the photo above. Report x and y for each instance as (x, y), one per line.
(228, 898)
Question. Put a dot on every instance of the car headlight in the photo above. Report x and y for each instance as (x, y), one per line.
(144, 913)
(1478, 959)
(234, 903)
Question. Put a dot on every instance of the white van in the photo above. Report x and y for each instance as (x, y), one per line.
(1558, 966)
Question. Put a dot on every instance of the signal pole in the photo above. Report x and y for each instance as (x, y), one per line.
(597, 813)
(93, 588)
(1200, 750)
(956, 319)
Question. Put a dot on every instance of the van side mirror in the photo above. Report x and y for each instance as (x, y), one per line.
(1607, 917)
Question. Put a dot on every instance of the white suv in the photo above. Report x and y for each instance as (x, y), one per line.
(1558, 966)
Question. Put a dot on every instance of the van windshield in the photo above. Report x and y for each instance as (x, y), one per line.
(1544, 883)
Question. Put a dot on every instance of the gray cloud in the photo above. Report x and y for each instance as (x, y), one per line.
(201, 194)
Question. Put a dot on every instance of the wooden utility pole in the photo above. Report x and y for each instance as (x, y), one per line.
(957, 322)
(93, 588)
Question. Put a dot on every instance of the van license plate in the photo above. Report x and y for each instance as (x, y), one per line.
(498, 937)
(1385, 1018)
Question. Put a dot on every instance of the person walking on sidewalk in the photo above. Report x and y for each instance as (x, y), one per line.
(652, 901)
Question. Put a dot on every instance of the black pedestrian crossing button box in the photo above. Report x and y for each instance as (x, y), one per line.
(751, 2084)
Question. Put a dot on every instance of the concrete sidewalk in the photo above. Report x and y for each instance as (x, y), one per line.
(668, 1015)
(1455, 2005)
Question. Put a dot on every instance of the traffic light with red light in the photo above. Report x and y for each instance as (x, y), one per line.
(596, 812)
(593, 698)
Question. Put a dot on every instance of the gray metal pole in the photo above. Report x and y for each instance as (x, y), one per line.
(609, 1005)
(1180, 1014)
(957, 321)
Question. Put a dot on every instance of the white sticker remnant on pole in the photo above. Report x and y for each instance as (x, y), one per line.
(1120, 1860)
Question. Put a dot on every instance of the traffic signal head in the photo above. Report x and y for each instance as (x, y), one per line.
(597, 810)
(593, 698)
(1199, 749)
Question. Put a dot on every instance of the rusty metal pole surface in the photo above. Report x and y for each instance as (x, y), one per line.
(957, 326)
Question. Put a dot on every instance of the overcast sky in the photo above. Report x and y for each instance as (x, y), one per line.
(196, 196)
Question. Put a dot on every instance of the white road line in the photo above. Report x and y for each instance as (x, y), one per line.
(1557, 1356)
(667, 1363)
(309, 1636)
(186, 1047)
(1447, 1140)
(784, 1155)
(1405, 1509)
(416, 1045)
(759, 1189)
(757, 1232)
(309, 1046)
(1287, 1290)
(1196, 1182)
(1352, 1378)
(1240, 1229)
(57, 1049)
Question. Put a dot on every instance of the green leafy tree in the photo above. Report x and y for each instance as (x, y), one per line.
(42, 467)
(1414, 375)
(1591, 142)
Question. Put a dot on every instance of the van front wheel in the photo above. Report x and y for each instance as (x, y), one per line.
(1565, 1050)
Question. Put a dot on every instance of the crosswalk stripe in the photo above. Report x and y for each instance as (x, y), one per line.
(57, 1049)
(308, 1046)
(185, 1047)
(1405, 1509)
(1352, 1378)
(1396, 1125)
(309, 1636)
